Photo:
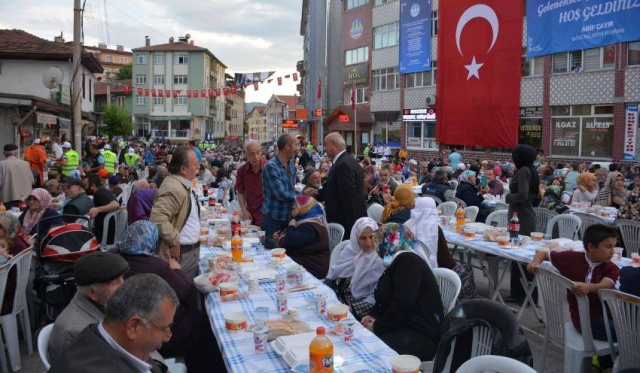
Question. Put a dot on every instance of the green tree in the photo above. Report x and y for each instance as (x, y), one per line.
(125, 72)
(117, 121)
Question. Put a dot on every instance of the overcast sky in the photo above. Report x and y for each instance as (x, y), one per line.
(246, 35)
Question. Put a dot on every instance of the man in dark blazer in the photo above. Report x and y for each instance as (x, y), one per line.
(343, 191)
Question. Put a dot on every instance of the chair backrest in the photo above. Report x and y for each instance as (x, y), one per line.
(494, 363)
(471, 212)
(375, 212)
(457, 201)
(436, 199)
(454, 184)
(335, 254)
(542, 218)
(501, 217)
(120, 217)
(625, 309)
(448, 208)
(630, 232)
(449, 284)
(501, 206)
(587, 220)
(22, 262)
(568, 226)
(43, 345)
(336, 233)
(481, 344)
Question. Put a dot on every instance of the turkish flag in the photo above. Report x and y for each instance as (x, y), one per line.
(479, 59)
(234, 90)
(127, 89)
(175, 94)
(146, 91)
(279, 80)
(188, 93)
(255, 86)
(139, 91)
(167, 93)
(217, 92)
(319, 89)
(353, 98)
(203, 93)
(195, 93)
(225, 90)
(295, 77)
(153, 92)
(210, 92)
(160, 93)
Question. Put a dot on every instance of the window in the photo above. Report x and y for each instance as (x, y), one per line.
(108, 59)
(421, 134)
(141, 59)
(180, 100)
(386, 35)
(141, 100)
(158, 59)
(120, 101)
(434, 23)
(361, 95)
(380, 2)
(634, 53)
(423, 78)
(158, 100)
(385, 79)
(584, 60)
(350, 4)
(180, 79)
(158, 79)
(141, 79)
(357, 55)
(582, 130)
(181, 59)
(532, 66)
(123, 60)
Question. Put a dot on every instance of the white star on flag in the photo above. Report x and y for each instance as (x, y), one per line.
(473, 68)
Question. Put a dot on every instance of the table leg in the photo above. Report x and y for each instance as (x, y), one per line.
(494, 284)
(528, 299)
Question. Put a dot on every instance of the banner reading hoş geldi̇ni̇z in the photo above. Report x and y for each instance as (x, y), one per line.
(479, 57)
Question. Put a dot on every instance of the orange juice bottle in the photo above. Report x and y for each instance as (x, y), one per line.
(461, 216)
(320, 353)
(3, 208)
(236, 246)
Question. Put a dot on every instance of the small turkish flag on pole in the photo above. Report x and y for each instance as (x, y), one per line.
(479, 67)
(353, 97)
(225, 90)
(255, 86)
(280, 80)
(139, 91)
(295, 77)
(188, 93)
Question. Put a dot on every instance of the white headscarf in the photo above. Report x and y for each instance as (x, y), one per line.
(364, 268)
(424, 225)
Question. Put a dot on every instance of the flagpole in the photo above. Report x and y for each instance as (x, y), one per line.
(355, 118)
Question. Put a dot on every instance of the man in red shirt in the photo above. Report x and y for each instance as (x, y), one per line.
(249, 183)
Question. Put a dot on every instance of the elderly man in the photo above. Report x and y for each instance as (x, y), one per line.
(78, 203)
(249, 183)
(97, 275)
(494, 186)
(16, 178)
(343, 191)
(176, 211)
(137, 320)
(278, 180)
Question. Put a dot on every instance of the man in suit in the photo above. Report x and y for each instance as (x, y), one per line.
(343, 191)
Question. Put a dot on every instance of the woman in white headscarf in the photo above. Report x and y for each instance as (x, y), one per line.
(355, 275)
(424, 225)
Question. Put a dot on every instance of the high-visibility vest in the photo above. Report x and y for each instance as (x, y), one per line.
(110, 161)
(130, 160)
(73, 161)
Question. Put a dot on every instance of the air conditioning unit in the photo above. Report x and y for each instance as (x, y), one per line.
(430, 100)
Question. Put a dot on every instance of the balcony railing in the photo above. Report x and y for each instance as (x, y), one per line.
(186, 134)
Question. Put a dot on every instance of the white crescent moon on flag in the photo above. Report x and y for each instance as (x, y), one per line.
(478, 11)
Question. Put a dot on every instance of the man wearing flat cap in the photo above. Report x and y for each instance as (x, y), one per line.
(79, 203)
(16, 178)
(97, 276)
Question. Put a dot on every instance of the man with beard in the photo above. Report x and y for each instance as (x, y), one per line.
(313, 183)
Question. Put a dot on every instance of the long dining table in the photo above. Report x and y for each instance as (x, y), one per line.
(366, 354)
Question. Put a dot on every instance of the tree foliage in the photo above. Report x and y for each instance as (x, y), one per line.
(117, 121)
(125, 72)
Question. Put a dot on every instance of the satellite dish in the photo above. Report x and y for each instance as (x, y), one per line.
(52, 77)
(187, 36)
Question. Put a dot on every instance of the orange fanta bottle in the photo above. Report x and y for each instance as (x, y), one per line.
(320, 353)
(461, 216)
(236, 246)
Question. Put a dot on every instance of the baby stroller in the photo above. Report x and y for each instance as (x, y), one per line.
(56, 252)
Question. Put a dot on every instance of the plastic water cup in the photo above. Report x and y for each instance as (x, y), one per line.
(348, 325)
(281, 303)
(260, 335)
(617, 253)
(261, 316)
(321, 304)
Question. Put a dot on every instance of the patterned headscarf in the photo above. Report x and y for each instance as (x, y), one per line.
(10, 224)
(394, 238)
(31, 218)
(308, 208)
(604, 195)
(403, 197)
(140, 238)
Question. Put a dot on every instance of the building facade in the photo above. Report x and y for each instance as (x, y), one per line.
(257, 124)
(112, 60)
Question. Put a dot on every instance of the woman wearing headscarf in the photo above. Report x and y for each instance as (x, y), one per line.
(468, 192)
(38, 207)
(306, 238)
(523, 194)
(10, 228)
(614, 193)
(587, 189)
(191, 333)
(355, 276)
(408, 310)
(399, 209)
(552, 197)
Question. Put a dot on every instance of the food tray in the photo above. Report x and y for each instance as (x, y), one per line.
(294, 349)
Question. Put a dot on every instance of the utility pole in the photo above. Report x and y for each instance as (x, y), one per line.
(77, 77)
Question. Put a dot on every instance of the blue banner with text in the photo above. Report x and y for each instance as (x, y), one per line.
(415, 36)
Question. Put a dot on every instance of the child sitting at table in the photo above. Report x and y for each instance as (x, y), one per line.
(591, 271)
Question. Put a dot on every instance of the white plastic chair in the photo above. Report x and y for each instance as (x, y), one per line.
(542, 218)
(43, 345)
(630, 232)
(336, 233)
(335, 254)
(471, 212)
(587, 220)
(22, 262)
(493, 363)
(625, 309)
(553, 288)
(120, 217)
(501, 217)
(458, 201)
(501, 206)
(437, 200)
(448, 208)
(449, 284)
(176, 365)
(4, 274)
(568, 226)
(375, 212)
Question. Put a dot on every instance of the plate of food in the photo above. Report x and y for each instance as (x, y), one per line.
(209, 281)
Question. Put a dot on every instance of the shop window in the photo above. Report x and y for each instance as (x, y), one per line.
(350, 4)
(633, 53)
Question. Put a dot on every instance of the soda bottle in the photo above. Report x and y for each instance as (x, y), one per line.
(461, 217)
(212, 200)
(514, 226)
(3, 208)
(236, 246)
(320, 353)
(235, 222)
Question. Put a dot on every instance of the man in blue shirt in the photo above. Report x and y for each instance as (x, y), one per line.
(278, 181)
(454, 158)
(194, 147)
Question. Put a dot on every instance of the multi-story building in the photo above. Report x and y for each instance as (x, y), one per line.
(112, 60)
(236, 99)
(184, 71)
(279, 108)
(120, 93)
(35, 88)
(257, 124)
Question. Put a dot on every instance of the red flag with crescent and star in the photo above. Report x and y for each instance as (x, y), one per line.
(479, 62)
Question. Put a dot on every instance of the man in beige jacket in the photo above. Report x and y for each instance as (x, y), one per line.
(16, 178)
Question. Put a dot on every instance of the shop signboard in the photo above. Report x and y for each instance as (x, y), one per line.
(597, 137)
(566, 136)
(630, 130)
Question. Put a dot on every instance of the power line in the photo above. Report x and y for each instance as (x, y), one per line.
(135, 19)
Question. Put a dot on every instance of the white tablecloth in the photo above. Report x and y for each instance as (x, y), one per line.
(367, 353)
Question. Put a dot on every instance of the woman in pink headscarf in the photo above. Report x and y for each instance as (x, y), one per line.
(38, 207)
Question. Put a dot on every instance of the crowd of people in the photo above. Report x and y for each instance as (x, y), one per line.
(292, 190)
